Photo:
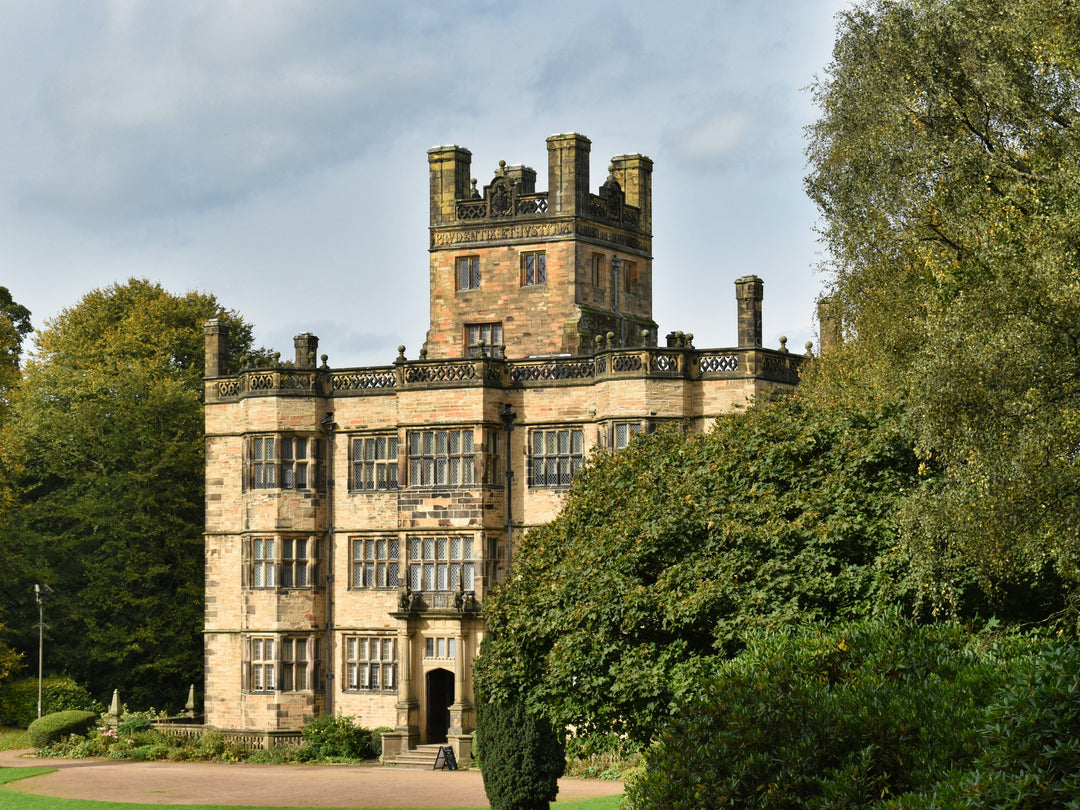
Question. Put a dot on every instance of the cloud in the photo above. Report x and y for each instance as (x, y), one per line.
(173, 107)
(715, 138)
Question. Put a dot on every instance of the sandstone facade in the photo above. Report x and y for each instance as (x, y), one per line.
(356, 518)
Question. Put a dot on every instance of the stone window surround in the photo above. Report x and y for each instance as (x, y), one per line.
(467, 273)
(282, 461)
(379, 561)
(359, 665)
(557, 458)
(275, 662)
(373, 462)
(533, 268)
(277, 561)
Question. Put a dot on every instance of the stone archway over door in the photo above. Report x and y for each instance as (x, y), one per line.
(439, 685)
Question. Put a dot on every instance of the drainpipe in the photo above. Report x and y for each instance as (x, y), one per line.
(616, 266)
(508, 416)
(328, 425)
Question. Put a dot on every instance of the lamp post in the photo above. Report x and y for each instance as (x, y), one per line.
(39, 596)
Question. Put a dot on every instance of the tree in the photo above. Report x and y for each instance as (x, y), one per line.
(946, 166)
(14, 327)
(107, 432)
(670, 552)
(522, 756)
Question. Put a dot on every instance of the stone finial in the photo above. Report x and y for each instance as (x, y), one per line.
(325, 366)
(114, 710)
(189, 707)
(783, 344)
(400, 354)
(809, 348)
(645, 337)
(610, 337)
(423, 353)
(277, 358)
(502, 350)
(474, 194)
(689, 340)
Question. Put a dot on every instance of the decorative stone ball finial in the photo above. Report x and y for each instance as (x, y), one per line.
(783, 344)
(809, 348)
(400, 354)
(325, 357)
(277, 358)
(474, 194)
(423, 353)
(610, 340)
(689, 340)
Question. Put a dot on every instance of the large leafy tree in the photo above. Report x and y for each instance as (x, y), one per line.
(14, 327)
(106, 434)
(670, 552)
(946, 166)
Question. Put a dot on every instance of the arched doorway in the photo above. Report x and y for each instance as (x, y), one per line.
(440, 695)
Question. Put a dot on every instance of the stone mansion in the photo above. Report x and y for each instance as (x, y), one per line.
(357, 517)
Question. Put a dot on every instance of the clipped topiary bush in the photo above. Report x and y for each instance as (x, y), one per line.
(823, 718)
(18, 699)
(54, 727)
(522, 756)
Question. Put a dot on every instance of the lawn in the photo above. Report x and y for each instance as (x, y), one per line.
(12, 738)
(19, 801)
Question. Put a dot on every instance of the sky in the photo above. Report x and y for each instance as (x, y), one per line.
(274, 152)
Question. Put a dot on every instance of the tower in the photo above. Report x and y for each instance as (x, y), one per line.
(541, 273)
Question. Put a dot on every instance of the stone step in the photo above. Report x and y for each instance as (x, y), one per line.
(422, 757)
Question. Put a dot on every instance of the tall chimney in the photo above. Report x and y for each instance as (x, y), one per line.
(748, 294)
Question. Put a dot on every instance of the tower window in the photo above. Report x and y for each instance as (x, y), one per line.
(533, 268)
(490, 333)
(468, 272)
(630, 277)
(598, 267)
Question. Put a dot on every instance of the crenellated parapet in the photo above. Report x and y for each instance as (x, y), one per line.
(624, 200)
(776, 366)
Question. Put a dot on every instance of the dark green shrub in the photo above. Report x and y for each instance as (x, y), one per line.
(1030, 754)
(330, 737)
(823, 718)
(18, 699)
(522, 757)
(54, 727)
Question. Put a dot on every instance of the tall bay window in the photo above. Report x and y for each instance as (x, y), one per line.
(441, 563)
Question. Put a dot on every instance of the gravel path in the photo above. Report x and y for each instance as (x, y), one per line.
(248, 785)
